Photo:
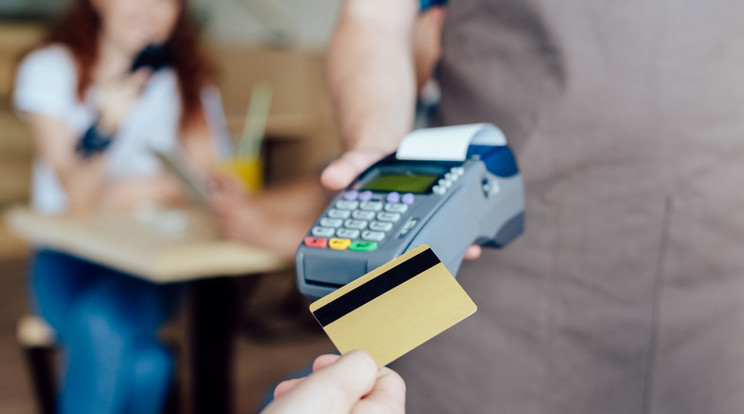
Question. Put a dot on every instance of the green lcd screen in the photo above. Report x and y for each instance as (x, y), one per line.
(402, 183)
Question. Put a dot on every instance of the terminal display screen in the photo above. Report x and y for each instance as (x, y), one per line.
(402, 183)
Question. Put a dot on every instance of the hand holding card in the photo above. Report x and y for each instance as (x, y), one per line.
(341, 385)
(394, 308)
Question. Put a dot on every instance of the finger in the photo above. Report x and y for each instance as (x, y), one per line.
(225, 193)
(332, 390)
(324, 361)
(234, 185)
(285, 386)
(217, 179)
(226, 183)
(342, 172)
(388, 395)
(473, 252)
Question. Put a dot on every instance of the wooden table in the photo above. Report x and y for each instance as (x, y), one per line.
(165, 247)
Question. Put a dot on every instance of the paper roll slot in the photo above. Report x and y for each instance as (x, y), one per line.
(448, 143)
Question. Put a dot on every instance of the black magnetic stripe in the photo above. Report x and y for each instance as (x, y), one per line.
(386, 281)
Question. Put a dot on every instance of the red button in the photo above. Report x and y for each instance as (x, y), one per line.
(316, 242)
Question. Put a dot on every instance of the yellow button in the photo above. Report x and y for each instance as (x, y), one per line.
(339, 244)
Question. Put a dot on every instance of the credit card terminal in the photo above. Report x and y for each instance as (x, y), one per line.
(447, 187)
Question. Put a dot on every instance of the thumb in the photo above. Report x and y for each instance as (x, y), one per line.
(341, 172)
(331, 390)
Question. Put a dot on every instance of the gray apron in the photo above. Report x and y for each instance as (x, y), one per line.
(626, 293)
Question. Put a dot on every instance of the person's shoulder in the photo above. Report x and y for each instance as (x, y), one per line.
(51, 57)
(55, 54)
(46, 81)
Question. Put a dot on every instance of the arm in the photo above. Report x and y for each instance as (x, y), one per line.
(372, 82)
(55, 144)
(84, 180)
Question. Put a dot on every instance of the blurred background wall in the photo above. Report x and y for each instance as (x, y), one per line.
(295, 23)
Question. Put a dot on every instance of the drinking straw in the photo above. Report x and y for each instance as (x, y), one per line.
(254, 128)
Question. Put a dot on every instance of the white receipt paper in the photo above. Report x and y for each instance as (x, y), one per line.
(448, 143)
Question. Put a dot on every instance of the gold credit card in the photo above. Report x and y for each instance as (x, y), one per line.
(394, 308)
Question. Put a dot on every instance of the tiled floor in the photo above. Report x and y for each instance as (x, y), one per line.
(261, 361)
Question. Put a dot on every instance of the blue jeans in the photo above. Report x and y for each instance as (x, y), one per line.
(107, 323)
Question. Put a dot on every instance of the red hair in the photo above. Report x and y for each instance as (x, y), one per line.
(79, 28)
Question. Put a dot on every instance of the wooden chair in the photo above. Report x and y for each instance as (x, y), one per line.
(38, 344)
(39, 347)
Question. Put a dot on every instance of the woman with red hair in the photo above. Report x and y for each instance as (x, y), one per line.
(95, 117)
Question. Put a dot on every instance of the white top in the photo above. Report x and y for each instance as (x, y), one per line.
(46, 84)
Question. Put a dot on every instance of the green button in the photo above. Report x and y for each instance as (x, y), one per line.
(363, 246)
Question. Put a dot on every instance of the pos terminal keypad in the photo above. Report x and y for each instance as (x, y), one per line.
(359, 221)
